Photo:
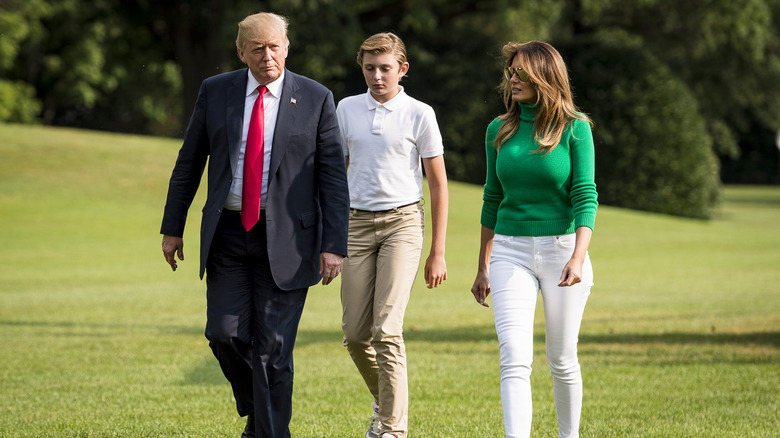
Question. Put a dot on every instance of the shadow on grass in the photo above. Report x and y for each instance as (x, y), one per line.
(74, 328)
(205, 373)
(485, 333)
(479, 334)
(673, 347)
(208, 373)
(768, 199)
(411, 334)
(679, 338)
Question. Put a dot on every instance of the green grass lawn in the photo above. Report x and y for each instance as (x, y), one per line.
(681, 336)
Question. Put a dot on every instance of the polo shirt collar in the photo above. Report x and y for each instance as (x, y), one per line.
(398, 101)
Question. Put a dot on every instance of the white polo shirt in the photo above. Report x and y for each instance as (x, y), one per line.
(384, 143)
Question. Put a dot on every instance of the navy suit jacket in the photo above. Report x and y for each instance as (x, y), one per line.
(307, 204)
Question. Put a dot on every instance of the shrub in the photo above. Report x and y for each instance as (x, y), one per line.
(653, 151)
(18, 103)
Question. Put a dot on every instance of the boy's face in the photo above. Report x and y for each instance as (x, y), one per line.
(383, 73)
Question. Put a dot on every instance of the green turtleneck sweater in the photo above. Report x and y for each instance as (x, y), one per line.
(533, 194)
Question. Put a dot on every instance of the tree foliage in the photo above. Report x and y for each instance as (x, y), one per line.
(136, 65)
(727, 52)
(17, 97)
(653, 152)
(88, 65)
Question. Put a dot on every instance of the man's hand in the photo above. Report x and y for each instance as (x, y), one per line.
(172, 245)
(330, 266)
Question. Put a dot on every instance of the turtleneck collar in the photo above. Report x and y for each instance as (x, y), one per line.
(527, 111)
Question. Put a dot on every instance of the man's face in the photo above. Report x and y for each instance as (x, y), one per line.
(265, 58)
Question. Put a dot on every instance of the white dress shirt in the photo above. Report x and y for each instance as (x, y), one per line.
(270, 114)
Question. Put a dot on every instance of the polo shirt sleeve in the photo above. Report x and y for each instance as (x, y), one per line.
(429, 139)
(341, 116)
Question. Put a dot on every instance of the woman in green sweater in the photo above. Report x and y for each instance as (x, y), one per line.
(537, 219)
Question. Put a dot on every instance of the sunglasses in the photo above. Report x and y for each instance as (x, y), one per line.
(521, 74)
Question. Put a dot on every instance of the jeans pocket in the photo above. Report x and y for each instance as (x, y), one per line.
(501, 238)
(567, 241)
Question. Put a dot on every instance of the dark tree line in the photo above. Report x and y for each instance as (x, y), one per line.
(683, 94)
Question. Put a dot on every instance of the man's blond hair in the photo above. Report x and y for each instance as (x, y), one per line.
(262, 26)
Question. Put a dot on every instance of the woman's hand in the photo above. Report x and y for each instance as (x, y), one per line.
(572, 273)
(481, 288)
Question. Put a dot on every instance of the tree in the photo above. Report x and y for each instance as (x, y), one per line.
(17, 97)
(88, 66)
(727, 52)
(653, 151)
(136, 65)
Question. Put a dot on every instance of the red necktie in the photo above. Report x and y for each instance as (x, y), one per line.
(253, 165)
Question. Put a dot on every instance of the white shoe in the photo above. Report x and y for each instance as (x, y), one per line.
(388, 435)
(374, 423)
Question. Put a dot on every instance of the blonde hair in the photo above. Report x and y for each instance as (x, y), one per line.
(555, 106)
(381, 43)
(262, 27)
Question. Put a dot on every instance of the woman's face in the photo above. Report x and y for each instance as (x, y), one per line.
(523, 92)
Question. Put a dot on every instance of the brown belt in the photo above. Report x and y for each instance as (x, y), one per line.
(385, 211)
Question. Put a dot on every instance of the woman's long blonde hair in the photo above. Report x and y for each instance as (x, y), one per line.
(555, 107)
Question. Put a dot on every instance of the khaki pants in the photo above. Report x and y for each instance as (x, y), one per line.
(376, 281)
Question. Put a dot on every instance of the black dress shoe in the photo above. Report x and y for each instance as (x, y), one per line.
(249, 430)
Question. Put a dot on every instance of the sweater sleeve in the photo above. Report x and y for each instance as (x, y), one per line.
(493, 192)
(584, 198)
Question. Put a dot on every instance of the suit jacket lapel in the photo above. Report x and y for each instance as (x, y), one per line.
(285, 121)
(236, 96)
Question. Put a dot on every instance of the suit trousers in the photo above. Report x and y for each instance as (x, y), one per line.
(252, 324)
(520, 267)
(376, 282)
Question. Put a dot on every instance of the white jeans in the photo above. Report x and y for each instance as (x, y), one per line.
(519, 268)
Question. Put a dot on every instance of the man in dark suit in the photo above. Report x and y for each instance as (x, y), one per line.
(275, 219)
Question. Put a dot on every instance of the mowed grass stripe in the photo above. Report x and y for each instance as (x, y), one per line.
(680, 336)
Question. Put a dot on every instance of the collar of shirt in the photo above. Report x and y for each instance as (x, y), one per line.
(275, 87)
(397, 102)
